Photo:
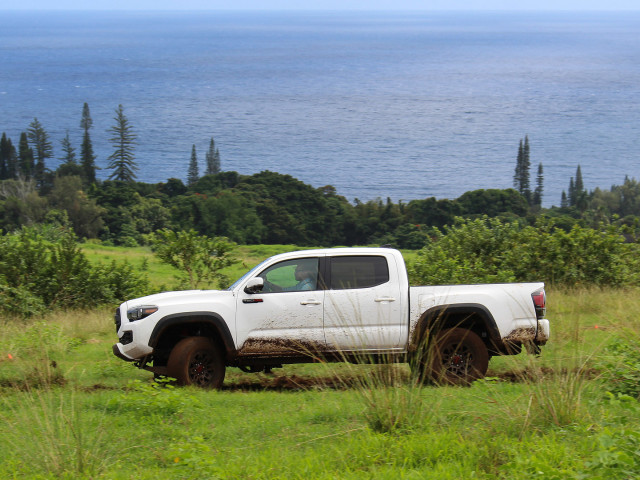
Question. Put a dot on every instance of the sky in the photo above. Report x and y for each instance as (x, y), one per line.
(361, 5)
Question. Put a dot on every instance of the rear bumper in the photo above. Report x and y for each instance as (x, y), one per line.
(543, 332)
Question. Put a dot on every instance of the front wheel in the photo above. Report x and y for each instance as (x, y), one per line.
(196, 361)
(455, 356)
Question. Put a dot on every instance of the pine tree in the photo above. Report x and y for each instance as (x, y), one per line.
(4, 154)
(26, 165)
(213, 159)
(521, 176)
(192, 176)
(517, 176)
(10, 157)
(69, 152)
(41, 146)
(580, 194)
(537, 196)
(564, 203)
(579, 185)
(122, 160)
(572, 193)
(87, 158)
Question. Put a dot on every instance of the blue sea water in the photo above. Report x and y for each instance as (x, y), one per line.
(402, 105)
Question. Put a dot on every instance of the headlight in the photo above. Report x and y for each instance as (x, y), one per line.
(143, 311)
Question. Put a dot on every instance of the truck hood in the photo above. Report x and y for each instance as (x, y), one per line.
(177, 297)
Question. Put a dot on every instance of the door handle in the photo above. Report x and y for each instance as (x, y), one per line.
(311, 302)
(385, 299)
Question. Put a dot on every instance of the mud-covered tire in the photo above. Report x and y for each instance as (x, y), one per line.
(196, 361)
(455, 356)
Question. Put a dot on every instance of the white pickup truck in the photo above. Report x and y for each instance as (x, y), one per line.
(342, 304)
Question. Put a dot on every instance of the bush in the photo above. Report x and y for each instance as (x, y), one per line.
(490, 250)
(36, 274)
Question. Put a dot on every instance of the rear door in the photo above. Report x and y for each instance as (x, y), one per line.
(363, 304)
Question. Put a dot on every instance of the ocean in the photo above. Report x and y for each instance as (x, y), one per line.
(398, 105)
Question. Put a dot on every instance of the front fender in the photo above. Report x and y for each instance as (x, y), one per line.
(189, 318)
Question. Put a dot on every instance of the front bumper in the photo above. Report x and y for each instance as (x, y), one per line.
(118, 353)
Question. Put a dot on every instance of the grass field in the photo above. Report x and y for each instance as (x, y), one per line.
(70, 409)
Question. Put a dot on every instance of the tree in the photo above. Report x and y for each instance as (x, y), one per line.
(564, 202)
(26, 163)
(42, 148)
(577, 193)
(537, 196)
(213, 159)
(200, 258)
(521, 176)
(69, 152)
(83, 212)
(580, 194)
(5, 158)
(192, 176)
(122, 160)
(87, 158)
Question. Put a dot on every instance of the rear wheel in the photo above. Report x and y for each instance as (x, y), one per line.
(456, 356)
(196, 361)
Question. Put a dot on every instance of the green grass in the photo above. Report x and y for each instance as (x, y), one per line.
(163, 277)
(70, 409)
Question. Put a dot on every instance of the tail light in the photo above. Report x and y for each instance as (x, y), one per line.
(540, 302)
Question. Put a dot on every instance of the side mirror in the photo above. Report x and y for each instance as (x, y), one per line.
(254, 285)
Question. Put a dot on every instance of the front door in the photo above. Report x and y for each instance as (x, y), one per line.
(286, 318)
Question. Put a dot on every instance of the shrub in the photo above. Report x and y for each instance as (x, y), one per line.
(489, 250)
(36, 274)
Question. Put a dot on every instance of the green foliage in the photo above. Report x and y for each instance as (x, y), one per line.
(490, 250)
(197, 257)
(157, 399)
(83, 212)
(621, 366)
(617, 455)
(36, 274)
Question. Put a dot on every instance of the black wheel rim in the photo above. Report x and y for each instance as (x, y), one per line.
(457, 360)
(201, 368)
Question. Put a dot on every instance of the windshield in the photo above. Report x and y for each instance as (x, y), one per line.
(248, 274)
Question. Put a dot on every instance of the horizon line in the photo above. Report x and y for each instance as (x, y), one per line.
(329, 10)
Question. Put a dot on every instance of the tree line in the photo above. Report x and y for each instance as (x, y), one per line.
(266, 207)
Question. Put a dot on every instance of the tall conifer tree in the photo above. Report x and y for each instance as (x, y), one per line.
(87, 157)
(521, 180)
(213, 159)
(580, 194)
(26, 164)
(8, 153)
(122, 160)
(69, 152)
(537, 196)
(193, 174)
(572, 193)
(42, 148)
(4, 154)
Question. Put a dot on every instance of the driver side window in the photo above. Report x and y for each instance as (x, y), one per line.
(295, 275)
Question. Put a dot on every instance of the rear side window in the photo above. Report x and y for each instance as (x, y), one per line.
(358, 272)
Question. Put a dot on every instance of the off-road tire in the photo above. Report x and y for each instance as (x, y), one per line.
(455, 356)
(196, 361)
